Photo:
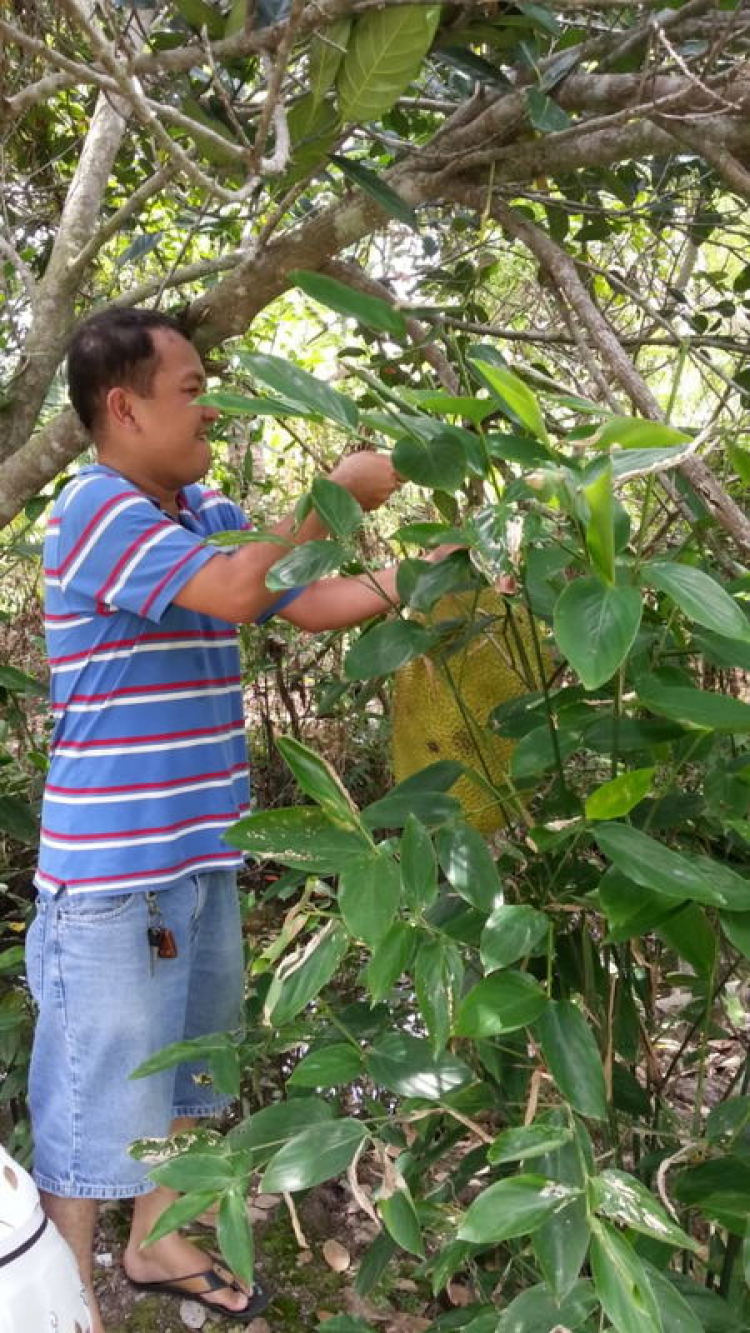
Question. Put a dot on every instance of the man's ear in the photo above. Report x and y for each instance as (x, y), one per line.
(118, 406)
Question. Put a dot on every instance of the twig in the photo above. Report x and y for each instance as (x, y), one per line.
(299, 1234)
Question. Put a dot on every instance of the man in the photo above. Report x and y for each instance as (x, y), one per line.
(136, 942)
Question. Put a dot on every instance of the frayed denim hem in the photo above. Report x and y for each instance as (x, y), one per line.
(69, 1190)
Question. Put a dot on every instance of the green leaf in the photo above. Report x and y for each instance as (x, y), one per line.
(408, 1066)
(327, 50)
(241, 405)
(383, 194)
(200, 15)
(632, 433)
(595, 627)
(515, 394)
(193, 1171)
(418, 865)
(622, 1284)
(303, 974)
(319, 780)
(401, 1222)
(536, 1311)
(600, 526)
(544, 114)
(655, 866)
(720, 1188)
(20, 682)
(511, 933)
(621, 795)
(235, 1235)
(676, 1313)
(438, 975)
(500, 1003)
(696, 708)
(385, 54)
(624, 1199)
(328, 1067)
(182, 1052)
(387, 647)
(306, 563)
(690, 933)
(263, 1132)
(338, 509)
(183, 1210)
(572, 1057)
(736, 926)
(393, 811)
(312, 1157)
(535, 753)
(18, 820)
(369, 895)
(297, 386)
(468, 865)
(314, 128)
(513, 1207)
(438, 462)
(300, 836)
(627, 461)
(700, 597)
(371, 311)
(527, 1142)
(390, 959)
(561, 1243)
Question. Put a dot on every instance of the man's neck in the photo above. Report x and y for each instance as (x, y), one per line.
(165, 498)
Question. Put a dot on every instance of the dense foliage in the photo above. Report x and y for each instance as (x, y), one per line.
(516, 234)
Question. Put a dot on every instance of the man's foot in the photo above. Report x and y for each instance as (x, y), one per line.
(175, 1265)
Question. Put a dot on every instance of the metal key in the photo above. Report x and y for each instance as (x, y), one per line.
(154, 934)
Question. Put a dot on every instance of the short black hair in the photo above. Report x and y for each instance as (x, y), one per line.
(111, 348)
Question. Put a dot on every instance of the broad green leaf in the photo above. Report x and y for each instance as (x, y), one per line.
(312, 1157)
(338, 509)
(622, 1284)
(18, 820)
(527, 1142)
(676, 1313)
(696, 708)
(418, 865)
(385, 648)
(632, 433)
(438, 462)
(511, 933)
(393, 810)
(624, 1199)
(264, 1132)
(714, 1313)
(621, 795)
(720, 651)
(314, 128)
(600, 525)
(408, 1066)
(500, 1003)
(319, 780)
(183, 1052)
(720, 1187)
(20, 682)
(369, 894)
(384, 55)
(180, 1212)
(637, 461)
(535, 753)
(327, 50)
(595, 627)
(515, 394)
(300, 836)
(739, 458)
(401, 1222)
(193, 1171)
(390, 959)
(382, 193)
(561, 1243)
(328, 1067)
(572, 1057)
(536, 1310)
(693, 936)
(296, 385)
(544, 114)
(736, 926)
(235, 1234)
(728, 1120)
(513, 1207)
(303, 974)
(372, 311)
(645, 861)
(306, 563)
(199, 14)
(468, 865)
(438, 974)
(208, 148)
(700, 597)
(242, 405)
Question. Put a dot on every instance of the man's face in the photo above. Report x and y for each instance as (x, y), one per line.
(170, 430)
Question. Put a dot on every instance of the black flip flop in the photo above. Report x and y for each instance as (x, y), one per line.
(257, 1301)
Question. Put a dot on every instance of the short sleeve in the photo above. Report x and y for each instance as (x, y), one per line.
(117, 551)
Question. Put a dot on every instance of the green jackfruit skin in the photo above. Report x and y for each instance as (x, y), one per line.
(494, 665)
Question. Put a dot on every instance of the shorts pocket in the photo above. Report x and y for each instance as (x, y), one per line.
(35, 952)
(92, 908)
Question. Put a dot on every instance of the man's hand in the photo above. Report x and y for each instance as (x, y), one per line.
(369, 477)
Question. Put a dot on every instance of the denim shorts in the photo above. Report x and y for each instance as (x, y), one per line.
(105, 1005)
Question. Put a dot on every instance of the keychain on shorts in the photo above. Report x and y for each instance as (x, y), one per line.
(161, 941)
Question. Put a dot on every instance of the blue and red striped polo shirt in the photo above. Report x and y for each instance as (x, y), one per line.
(148, 760)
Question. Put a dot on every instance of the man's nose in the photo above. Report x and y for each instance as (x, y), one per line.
(211, 414)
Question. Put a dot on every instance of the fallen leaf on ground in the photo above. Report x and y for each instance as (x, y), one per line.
(336, 1256)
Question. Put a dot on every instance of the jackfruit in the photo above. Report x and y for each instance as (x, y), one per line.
(441, 702)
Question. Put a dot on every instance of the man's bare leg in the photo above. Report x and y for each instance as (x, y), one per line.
(173, 1257)
(75, 1219)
